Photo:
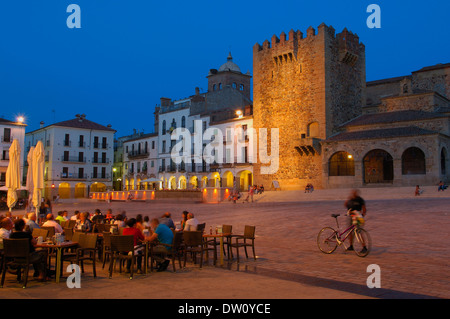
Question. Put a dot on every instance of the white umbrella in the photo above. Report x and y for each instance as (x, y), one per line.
(38, 174)
(13, 174)
(30, 184)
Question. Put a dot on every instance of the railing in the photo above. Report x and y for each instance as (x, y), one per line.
(7, 139)
(81, 144)
(73, 176)
(132, 154)
(67, 143)
(74, 159)
(99, 176)
(100, 160)
(101, 145)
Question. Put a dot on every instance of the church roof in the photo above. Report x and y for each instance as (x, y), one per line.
(230, 65)
(392, 117)
(380, 134)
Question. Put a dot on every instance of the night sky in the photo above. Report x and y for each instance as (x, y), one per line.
(129, 53)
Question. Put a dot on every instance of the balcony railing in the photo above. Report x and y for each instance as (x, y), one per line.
(65, 175)
(81, 144)
(100, 160)
(99, 176)
(134, 154)
(74, 159)
(7, 139)
(67, 143)
(101, 145)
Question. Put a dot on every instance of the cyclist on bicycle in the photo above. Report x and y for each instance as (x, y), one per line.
(355, 205)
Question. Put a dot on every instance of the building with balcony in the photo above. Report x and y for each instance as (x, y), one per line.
(9, 131)
(79, 156)
(140, 161)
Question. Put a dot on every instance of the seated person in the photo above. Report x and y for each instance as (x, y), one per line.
(191, 223)
(138, 238)
(37, 258)
(167, 220)
(60, 217)
(84, 224)
(163, 235)
(31, 222)
(51, 223)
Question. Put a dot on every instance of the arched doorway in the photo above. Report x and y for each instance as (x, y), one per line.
(193, 182)
(64, 190)
(244, 180)
(80, 190)
(182, 183)
(413, 162)
(228, 179)
(215, 180)
(98, 187)
(172, 183)
(378, 167)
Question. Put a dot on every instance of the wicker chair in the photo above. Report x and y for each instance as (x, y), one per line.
(249, 234)
(68, 233)
(106, 247)
(120, 247)
(193, 241)
(86, 251)
(40, 232)
(51, 230)
(18, 251)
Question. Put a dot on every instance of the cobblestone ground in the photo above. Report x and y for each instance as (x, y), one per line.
(410, 241)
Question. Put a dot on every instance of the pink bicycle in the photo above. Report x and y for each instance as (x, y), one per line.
(329, 239)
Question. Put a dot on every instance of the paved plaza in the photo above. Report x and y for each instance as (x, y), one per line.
(410, 244)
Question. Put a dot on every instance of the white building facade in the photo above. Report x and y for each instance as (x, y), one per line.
(79, 156)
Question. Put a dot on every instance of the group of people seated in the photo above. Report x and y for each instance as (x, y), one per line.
(157, 230)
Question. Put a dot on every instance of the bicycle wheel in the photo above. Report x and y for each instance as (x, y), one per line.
(361, 242)
(326, 240)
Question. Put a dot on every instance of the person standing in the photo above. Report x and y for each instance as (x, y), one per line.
(356, 206)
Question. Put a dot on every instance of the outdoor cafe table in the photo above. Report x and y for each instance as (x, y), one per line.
(221, 237)
(59, 249)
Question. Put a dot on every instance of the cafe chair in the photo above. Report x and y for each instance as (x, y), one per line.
(106, 247)
(17, 251)
(243, 241)
(176, 250)
(193, 241)
(86, 251)
(38, 232)
(50, 229)
(121, 245)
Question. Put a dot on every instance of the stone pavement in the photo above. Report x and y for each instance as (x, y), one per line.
(410, 243)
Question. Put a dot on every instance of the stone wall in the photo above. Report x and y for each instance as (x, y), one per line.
(431, 145)
(299, 80)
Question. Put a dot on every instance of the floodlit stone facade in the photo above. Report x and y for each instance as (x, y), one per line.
(336, 130)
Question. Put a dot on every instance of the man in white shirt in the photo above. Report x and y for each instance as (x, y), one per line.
(31, 223)
(7, 225)
(191, 223)
(5, 230)
(51, 223)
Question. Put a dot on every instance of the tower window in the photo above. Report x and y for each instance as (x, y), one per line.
(241, 87)
(234, 85)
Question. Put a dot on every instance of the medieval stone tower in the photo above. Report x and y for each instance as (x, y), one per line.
(307, 87)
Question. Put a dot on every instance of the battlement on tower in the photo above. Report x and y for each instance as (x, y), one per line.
(286, 46)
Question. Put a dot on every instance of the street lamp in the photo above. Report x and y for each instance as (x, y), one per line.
(239, 114)
(20, 119)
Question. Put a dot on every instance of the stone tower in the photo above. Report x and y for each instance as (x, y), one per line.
(307, 87)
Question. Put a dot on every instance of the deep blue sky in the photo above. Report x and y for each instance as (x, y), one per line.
(129, 53)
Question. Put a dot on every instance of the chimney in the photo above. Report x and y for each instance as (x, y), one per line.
(41, 124)
(197, 91)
